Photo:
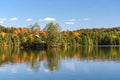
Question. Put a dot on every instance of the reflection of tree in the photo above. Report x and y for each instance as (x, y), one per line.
(34, 65)
(52, 57)
(4, 55)
(33, 59)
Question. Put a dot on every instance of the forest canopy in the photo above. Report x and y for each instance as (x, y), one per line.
(52, 36)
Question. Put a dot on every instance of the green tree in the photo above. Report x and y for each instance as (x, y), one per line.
(53, 34)
(34, 27)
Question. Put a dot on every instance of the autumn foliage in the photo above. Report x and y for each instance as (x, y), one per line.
(53, 36)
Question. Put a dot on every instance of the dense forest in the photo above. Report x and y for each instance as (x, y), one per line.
(53, 36)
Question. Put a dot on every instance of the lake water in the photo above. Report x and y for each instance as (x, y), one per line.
(83, 63)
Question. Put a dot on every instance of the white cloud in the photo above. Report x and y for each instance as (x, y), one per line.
(72, 20)
(13, 19)
(3, 19)
(48, 19)
(86, 19)
(29, 19)
(70, 23)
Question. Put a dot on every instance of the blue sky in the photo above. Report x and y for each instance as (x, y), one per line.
(70, 14)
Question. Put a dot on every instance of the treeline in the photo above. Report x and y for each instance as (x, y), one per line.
(52, 36)
(99, 36)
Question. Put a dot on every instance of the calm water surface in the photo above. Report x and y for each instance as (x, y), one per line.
(83, 63)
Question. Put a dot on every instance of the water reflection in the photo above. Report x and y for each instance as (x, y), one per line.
(52, 58)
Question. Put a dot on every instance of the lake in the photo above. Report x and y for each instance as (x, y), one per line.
(83, 63)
